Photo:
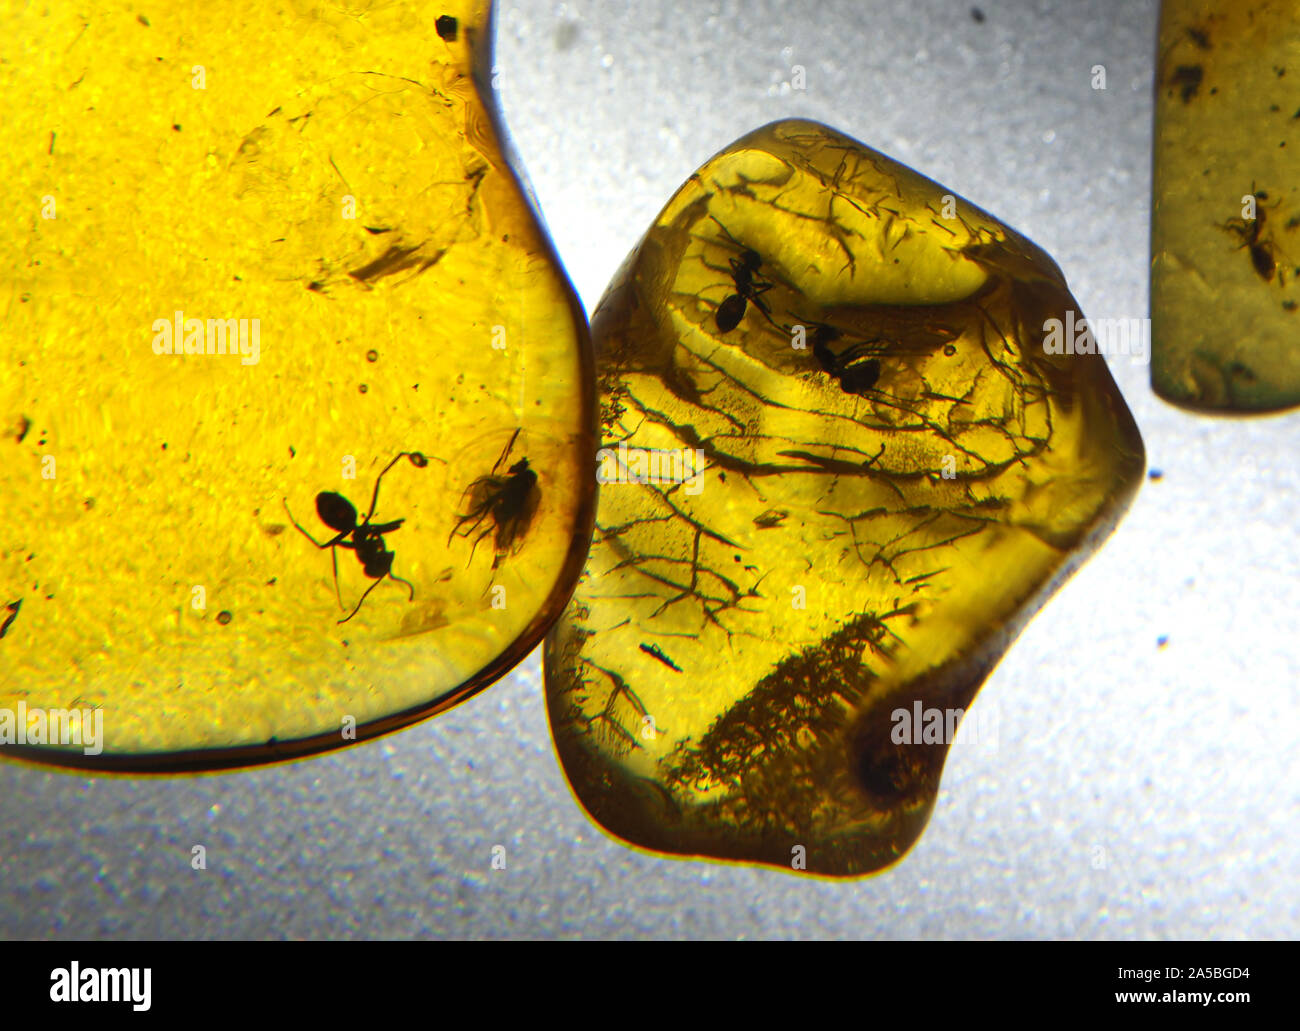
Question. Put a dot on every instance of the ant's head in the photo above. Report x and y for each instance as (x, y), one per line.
(336, 511)
(520, 466)
(750, 260)
(824, 334)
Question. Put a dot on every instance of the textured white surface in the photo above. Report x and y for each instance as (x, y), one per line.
(1136, 791)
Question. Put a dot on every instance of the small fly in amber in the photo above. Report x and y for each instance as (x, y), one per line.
(507, 502)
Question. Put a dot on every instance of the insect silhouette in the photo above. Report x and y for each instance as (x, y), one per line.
(656, 652)
(365, 539)
(855, 368)
(1263, 252)
(505, 501)
(12, 608)
(748, 286)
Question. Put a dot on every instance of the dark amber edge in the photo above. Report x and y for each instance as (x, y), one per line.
(275, 751)
(1193, 407)
(987, 658)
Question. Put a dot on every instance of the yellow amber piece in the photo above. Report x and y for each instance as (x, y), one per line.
(841, 467)
(333, 175)
(1225, 239)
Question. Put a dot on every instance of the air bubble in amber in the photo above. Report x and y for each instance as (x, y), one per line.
(846, 453)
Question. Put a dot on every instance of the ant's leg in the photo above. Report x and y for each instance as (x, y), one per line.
(334, 553)
(298, 525)
(374, 497)
(755, 298)
(359, 602)
(863, 350)
(412, 455)
(333, 545)
(410, 587)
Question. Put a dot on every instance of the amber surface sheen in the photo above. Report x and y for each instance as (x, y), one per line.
(859, 538)
(1225, 301)
(335, 172)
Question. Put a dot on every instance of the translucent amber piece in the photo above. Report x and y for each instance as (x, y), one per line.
(334, 176)
(1225, 264)
(840, 471)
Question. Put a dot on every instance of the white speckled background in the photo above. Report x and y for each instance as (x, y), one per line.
(1135, 791)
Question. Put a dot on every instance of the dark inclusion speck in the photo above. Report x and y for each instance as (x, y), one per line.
(1187, 78)
(447, 27)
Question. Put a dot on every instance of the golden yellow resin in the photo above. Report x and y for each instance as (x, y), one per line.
(1225, 241)
(798, 550)
(334, 175)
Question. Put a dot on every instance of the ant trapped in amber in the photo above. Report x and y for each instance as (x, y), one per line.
(509, 500)
(1263, 252)
(367, 538)
(749, 288)
(855, 376)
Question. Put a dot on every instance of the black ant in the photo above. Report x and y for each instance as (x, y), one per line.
(1262, 252)
(367, 538)
(749, 288)
(853, 378)
(509, 500)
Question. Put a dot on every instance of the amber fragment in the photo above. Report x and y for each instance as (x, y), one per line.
(1225, 241)
(841, 468)
(338, 182)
